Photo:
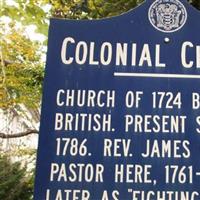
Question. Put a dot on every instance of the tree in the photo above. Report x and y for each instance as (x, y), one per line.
(91, 9)
(15, 182)
(27, 12)
(21, 64)
(22, 70)
(196, 3)
(96, 9)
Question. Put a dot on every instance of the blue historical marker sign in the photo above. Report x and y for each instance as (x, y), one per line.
(121, 107)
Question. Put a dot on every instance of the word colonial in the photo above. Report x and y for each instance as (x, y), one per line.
(131, 54)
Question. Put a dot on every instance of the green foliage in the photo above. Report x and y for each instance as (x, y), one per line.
(27, 12)
(88, 9)
(15, 183)
(22, 70)
(69, 9)
(196, 4)
(103, 8)
(95, 9)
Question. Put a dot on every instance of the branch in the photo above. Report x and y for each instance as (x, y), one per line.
(6, 62)
(97, 9)
(18, 135)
